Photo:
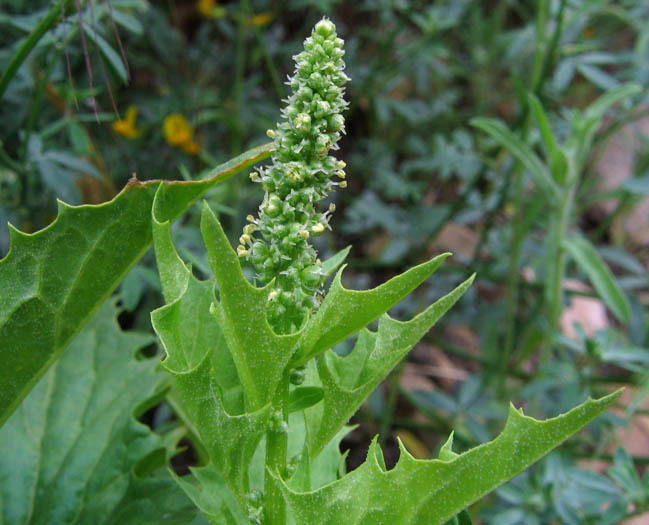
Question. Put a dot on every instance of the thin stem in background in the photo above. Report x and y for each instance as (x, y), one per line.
(557, 267)
(34, 37)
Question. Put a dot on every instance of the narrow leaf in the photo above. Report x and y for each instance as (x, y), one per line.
(331, 265)
(522, 152)
(592, 117)
(110, 55)
(587, 258)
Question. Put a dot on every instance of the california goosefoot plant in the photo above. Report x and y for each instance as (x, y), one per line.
(256, 379)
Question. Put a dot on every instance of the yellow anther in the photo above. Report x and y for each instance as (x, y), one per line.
(244, 239)
(304, 234)
(254, 176)
(341, 164)
(343, 184)
(341, 174)
(332, 207)
(248, 229)
(271, 134)
(273, 295)
(241, 251)
(317, 228)
(250, 218)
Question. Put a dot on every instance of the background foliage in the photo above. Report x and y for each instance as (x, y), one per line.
(203, 81)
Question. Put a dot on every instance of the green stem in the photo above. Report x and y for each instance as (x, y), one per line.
(276, 450)
(557, 265)
(393, 396)
(41, 84)
(540, 58)
(34, 37)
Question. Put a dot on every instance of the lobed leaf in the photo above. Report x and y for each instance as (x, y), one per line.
(434, 491)
(344, 312)
(72, 450)
(207, 387)
(347, 381)
(259, 354)
(54, 280)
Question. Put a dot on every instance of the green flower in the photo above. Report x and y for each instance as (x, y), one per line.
(301, 175)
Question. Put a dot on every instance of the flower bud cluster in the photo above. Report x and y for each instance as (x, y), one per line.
(302, 173)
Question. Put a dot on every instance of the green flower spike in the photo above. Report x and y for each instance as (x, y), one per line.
(300, 176)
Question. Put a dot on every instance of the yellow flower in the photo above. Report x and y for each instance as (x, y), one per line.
(205, 7)
(126, 127)
(179, 133)
(209, 9)
(190, 148)
(260, 20)
(177, 130)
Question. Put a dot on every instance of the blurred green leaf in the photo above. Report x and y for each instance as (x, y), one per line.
(522, 152)
(587, 258)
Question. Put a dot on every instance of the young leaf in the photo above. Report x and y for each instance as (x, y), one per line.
(188, 311)
(587, 258)
(259, 354)
(344, 312)
(304, 397)
(54, 280)
(208, 392)
(347, 381)
(212, 496)
(556, 156)
(522, 152)
(331, 265)
(71, 449)
(434, 491)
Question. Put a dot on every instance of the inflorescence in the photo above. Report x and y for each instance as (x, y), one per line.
(302, 174)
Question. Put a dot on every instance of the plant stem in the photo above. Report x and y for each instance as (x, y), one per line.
(393, 395)
(540, 59)
(557, 265)
(276, 449)
(26, 47)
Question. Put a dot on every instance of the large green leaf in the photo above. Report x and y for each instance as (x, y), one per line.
(70, 452)
(347, 381)
(433, 491)
(54, 280)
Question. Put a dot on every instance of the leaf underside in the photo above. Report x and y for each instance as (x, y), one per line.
(70, 451)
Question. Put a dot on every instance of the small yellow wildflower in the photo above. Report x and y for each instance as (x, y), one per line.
(126, 127)
(177, 130)
(179, 133)
(191, 148)
(209, 9)
(260, 20)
